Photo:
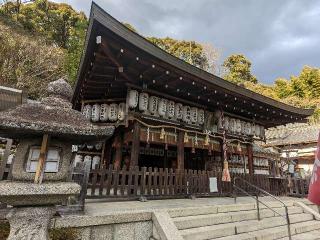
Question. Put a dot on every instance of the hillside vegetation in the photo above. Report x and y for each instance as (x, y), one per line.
(43, 40)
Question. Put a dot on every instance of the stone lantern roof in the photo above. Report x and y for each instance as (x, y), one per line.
(53, 115)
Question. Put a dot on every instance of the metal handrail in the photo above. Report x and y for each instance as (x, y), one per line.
(258, 202)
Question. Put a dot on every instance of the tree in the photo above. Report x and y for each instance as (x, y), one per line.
(310, 77)
(189, 51)
(282, 88)
(27, 61)
(238, 69)
(59, 24)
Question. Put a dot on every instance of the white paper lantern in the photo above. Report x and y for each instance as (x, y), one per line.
(257, 130)
(200, 116)
(104, 109)
(194, 115)
(238, 126)
(121, 111)
(187, 114)
(232, 125)
(170, 109)
(153, 105)
(95, 162)
(178, 109)
(243, 127)
(95, 113)
(87, 160)
(248, 128)
(78, 159)
(143, 101)
(133, 98)
(253, 129)
(220, 123)
(87, 111)
(226, 123)
(162, 108)
(113, 112)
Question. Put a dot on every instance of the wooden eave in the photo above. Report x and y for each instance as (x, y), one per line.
(124, 58)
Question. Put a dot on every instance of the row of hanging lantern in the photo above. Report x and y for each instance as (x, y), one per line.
(240, 127)
(165, 108)
(104, 112)
(94, 161)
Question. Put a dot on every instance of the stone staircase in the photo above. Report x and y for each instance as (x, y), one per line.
(239, 221)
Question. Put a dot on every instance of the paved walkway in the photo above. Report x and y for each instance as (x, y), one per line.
(96, 208)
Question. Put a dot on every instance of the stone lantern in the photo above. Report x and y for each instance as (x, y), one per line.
(46, 131)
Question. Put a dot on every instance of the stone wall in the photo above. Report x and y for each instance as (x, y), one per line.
(120, 226)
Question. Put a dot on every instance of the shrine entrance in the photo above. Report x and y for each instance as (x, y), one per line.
(195, 159)
(157, 156)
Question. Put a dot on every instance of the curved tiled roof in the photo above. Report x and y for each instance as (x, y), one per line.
(292, 134)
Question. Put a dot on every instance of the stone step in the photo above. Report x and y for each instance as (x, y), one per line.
(227, 229)
(280, 232)
(193, 211)
(313, 235)
(219, 218)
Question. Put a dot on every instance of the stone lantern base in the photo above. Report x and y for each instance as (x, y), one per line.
(30, 223)
(34, 205)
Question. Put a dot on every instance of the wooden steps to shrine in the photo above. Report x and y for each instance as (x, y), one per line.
(239, 221)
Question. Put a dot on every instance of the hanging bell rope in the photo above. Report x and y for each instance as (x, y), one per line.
(162, 133)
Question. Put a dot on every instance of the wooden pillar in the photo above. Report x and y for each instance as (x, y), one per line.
(42, 159)
(180, 151)
(3, 163)
(135, 148)
(107, 154)
(250, 158)
(118, 147)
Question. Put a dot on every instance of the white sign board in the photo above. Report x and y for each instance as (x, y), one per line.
(213, 184)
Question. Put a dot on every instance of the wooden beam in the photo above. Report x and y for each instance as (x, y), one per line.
(113, 59)
(42, 159)
(180, 151)
(135, 148)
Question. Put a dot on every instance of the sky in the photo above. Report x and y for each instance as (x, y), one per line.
(279, 37)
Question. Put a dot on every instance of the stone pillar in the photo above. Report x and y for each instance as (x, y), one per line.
(29, 223)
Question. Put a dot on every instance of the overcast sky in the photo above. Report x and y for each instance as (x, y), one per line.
(278, 36)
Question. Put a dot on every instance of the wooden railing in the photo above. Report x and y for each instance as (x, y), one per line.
(162, 183)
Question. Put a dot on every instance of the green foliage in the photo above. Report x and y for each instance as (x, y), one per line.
(189, 51)
(4, 229)
(282, 88)
(63, 234)
(300, 91)
(128, 25)
(27, 61)
(238, 69)
(54, 234)
(59, 24)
